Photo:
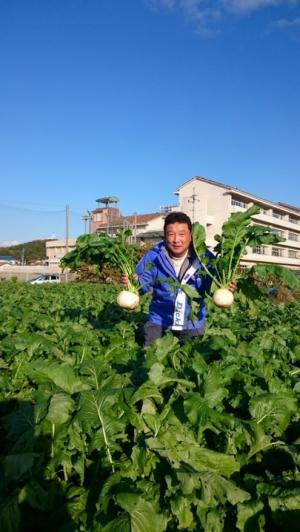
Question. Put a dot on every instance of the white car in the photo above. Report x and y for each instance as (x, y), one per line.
(45, 278)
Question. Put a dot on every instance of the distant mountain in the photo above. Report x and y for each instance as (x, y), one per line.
(27, 252)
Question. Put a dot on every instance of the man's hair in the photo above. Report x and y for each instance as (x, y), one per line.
(177, 217)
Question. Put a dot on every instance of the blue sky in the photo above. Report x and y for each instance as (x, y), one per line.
(130, 98)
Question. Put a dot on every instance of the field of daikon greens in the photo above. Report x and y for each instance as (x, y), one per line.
(98, 433)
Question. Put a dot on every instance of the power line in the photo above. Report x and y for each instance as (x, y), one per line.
(26, 209)
(39, 211)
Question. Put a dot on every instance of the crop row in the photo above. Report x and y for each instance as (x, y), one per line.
(101, 434)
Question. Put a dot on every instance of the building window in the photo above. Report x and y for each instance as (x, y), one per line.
(292, 254)
(259, 250)
(264, 211)
(293, 236)
(277, 231)
(238, 203)
(293, 220)
(277, 252)
(277, 215)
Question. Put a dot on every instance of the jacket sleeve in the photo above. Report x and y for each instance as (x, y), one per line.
(146, 272)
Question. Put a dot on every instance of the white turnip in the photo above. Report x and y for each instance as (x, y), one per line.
(128, 300)
(223, 297)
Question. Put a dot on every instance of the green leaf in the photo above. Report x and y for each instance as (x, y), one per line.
(76, 501)
(270, 409)
(250, 517)
(99, 410)
(142, 518)
(199, 237)
(35, 496)
(147, 391)
(199, 458)
(214, 390)
(189, 481)
(15, 465)
(161, 376)
(60, 408)
(143, 461)
(203, 416)
(156, 374)
(285, 511)
(258, 439)
(181, 508)
(96, 408)
(122, 523)
(61, 375)
(212, 520)
(10, 514)
(164, 346)
(215, 488)
(127, 501)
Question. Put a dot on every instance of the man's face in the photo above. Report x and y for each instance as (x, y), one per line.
(178, 238)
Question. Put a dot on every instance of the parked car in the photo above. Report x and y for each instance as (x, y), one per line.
(45, 278)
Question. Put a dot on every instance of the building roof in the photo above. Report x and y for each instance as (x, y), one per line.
(200, 178)
(142, 218)
(289, 206)
(239, 191)
(132, 219)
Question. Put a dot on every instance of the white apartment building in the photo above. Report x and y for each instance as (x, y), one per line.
(211, 203)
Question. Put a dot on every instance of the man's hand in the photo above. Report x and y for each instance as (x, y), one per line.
(232, 286)
(124, 279)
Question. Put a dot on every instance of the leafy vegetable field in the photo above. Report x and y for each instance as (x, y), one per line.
(101, 434)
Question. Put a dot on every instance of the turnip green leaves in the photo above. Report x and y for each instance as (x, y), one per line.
(238, 233)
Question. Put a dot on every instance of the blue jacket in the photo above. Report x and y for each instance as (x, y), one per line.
(170, 307)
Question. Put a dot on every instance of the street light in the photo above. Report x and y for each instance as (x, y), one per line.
(107, 201)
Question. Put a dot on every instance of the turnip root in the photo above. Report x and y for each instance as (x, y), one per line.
(223, 298)
(128, 300)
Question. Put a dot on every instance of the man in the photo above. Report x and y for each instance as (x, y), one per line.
(173, 260)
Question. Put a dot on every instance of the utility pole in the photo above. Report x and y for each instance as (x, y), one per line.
(192, 199)
(135, 228)
(85, 218)
(67, 217)
(90, 218)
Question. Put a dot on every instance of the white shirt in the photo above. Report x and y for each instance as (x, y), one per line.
(177, 262)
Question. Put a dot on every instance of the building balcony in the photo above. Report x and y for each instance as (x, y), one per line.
(237, 208)
(269, 219)
(267, 258)
(291, 244)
